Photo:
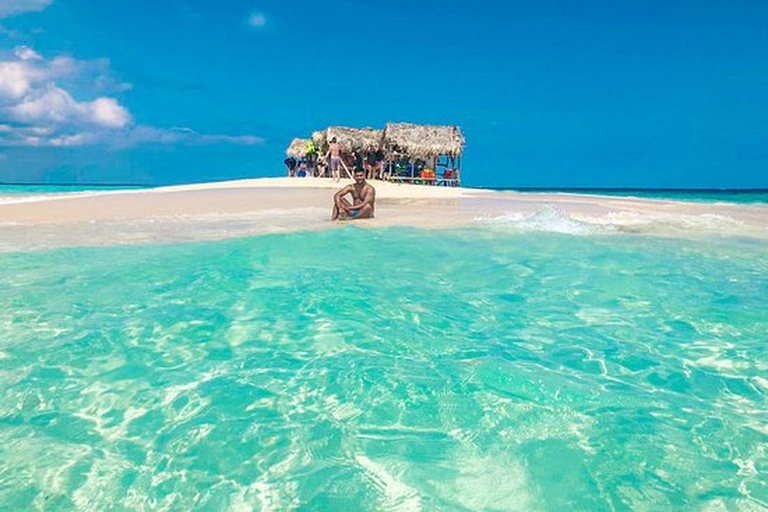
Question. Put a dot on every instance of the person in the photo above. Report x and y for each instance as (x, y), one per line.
(302, 170)
(311, 157)
(358, 160)
(290, 163)
(373, 163)
(322, 168)
(335, 150)
(348, 161)
(363, 199)
(387, 170)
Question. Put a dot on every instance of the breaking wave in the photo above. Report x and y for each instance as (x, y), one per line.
(553, 219)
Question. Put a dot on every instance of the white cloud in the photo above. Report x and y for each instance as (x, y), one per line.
(26, 70)
(29, 93)
(77, 139)
(37, 108)
(128, 137)
(13, 7)
(55, 106)
(107, 112)
(26, 53)
(257, 20)
(148, 134)
(15, 80)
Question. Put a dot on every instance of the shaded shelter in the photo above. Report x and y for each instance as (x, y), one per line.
(297, 148)
(320, 140)
(438, 146)
(428, 154)
(355, 139)
(424, 141)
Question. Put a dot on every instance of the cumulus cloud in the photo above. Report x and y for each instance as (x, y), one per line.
(257, 19)
(12, 7)
(14, 80)
(31, 97)
(37, 108)
(55, 106)
(25, 69)
(25, 53)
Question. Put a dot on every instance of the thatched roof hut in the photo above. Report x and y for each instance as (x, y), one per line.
(353, 139)
(298, 148)
(424, 141)
(319, 138)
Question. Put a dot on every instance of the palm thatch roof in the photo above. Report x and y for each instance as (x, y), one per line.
(353, 139)
(319, 138)
(298, 148)
(424, 141)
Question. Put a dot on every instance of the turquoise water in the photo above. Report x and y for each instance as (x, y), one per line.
(53, 189)
(698, 196)
(386, 369)
(708, 196)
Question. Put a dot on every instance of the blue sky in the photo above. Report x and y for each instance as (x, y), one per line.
(549, 93)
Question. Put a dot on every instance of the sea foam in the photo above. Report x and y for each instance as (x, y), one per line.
(554, 219)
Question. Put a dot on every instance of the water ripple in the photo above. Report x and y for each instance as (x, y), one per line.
(392, 369)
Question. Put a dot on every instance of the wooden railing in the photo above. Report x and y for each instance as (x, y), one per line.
(434, 180)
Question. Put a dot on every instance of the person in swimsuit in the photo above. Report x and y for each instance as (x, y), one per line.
(335, 150)
(359, 161)
(290, 163)
(373, 164)
(363, 199)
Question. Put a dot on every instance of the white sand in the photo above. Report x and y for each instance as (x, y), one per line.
(384, 189)
(237, 208)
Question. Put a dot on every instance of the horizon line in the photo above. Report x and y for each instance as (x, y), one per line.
(511, 187)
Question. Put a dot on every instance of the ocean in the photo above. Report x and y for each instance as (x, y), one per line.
(24, 193)
(743, 196)
(395, 369)
(61, 189)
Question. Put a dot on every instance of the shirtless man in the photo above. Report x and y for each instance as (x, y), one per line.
(363, 198)
(335, 150)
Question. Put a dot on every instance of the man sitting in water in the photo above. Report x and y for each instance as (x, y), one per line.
(363, 198)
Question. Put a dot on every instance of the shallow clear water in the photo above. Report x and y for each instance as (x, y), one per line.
(27, 193)
(755, 196)
(747, 196)
(389, 369)
(54, 189)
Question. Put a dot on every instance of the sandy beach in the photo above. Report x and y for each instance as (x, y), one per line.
(218, 210)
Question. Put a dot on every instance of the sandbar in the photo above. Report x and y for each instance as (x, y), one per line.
(210, 211)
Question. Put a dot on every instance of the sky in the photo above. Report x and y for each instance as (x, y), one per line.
(552, 93)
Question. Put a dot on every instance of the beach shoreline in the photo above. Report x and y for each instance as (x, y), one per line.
(207, 211)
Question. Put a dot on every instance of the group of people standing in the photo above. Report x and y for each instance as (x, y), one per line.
(335, 162)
